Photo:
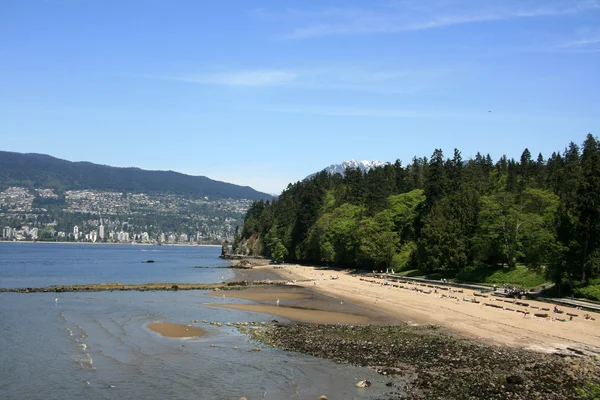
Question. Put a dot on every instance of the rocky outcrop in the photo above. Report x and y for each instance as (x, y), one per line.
(437, 365)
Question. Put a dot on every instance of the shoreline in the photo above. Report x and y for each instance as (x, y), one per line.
(143, 287)
(111, 244)
(490, 320)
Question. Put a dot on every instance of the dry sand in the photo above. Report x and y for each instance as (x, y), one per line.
(178, 331)
(468, 319)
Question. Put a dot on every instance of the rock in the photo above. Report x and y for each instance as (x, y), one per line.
(148, 262)
(515, 380)
(322, 397)
(363, 384)
(256, 349)
(243, 398)
(389, 384)
(217, 289)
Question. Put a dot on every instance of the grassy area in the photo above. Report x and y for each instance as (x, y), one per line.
(591, 292)
(519, 276)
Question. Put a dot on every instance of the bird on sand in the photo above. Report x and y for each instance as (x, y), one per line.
(277, 302)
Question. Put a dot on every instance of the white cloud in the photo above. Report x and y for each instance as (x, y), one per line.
(266, 77)
(406, 16)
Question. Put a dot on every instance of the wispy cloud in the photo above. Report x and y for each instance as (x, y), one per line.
(584, 40)
(397, 17)
(335, 77)
(266, 77)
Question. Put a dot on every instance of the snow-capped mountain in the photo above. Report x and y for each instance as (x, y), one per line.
(364, 166)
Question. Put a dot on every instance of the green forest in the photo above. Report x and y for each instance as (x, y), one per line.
(446, 216)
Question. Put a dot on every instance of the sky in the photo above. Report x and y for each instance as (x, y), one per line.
(264, 93)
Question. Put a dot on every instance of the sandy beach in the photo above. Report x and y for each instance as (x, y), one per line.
(176, 331)
(493, 325)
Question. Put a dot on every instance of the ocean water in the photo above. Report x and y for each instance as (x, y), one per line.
(46, 264)
(97, 345)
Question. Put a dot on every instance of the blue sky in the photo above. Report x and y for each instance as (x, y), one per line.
(263, 93)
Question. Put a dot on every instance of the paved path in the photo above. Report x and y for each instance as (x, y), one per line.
(585, 305)
(438, 282)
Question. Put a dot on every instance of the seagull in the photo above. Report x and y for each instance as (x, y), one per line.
(223, 296)
(277, 302)
(56, 300)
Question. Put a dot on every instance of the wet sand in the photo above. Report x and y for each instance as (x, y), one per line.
(303, 315)
(267, 294)
(302, 304)
(262, 273)
(176, 331)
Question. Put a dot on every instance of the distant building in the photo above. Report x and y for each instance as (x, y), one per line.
(162, 237)
(123, 237)
(183, 237)
(76, 232)
(34, 233)
(7, 232)
(101, 232)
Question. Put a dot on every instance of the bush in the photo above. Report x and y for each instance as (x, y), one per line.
(401, 260)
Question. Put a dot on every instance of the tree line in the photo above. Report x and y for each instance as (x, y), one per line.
(442, 214)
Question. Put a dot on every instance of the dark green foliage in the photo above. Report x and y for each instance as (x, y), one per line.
(43, 171)
(474, 220)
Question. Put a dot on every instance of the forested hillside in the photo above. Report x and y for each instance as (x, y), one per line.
(444, 214)
(35, 171)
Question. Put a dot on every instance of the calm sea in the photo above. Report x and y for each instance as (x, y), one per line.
(97, 346)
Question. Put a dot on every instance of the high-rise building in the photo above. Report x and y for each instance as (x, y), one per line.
(162, 237)
(76, 232)
(101, 232)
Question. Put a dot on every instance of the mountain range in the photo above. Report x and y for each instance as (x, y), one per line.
(364, 166)
(43, 171)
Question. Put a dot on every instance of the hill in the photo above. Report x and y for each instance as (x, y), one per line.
(44, 171)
